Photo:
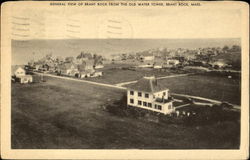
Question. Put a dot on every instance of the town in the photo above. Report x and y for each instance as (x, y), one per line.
(184, 89)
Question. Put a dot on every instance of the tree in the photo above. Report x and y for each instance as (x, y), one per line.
(225, 48)
(97, 59)
(31, 63)
(59, 59)
(48, 56)
(84, 55)
(236, 48)
(69, 59)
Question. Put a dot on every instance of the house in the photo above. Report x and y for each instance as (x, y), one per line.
(18, 74)
(148, 93)
(86, 68)
(99, 66)
(219, 64)
(86, 73)
(96, 74)
(69, 69)
(89, 64)
(38, 66)
(147, 57)
(116, 57)
(173, 62)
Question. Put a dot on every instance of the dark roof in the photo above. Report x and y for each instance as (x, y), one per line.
(160, 100)
(147, 84)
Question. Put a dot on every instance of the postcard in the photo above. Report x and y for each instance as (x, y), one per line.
(124, 80)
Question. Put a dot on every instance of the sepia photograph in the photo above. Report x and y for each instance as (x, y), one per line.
(144, 76)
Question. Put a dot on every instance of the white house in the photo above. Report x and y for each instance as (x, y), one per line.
(19, 75)
(219, 64)
(148, 57)
(99, 66)
(149, 94)
(97, 74)
(18, 71)
(173, 62)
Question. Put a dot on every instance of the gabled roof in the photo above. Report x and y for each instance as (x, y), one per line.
(147, 84)
(15, 67)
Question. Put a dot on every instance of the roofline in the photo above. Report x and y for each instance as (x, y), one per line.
(147, 92)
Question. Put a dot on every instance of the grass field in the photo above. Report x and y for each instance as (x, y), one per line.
(60, 114)
(118, 73)
(213, 87)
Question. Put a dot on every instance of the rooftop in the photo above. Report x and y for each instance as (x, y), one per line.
(15, 67)
(160, 100)
(147, 84)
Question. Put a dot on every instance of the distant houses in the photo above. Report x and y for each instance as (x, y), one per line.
(69, 69)
(172, 62)
(150, 94)
(84, 65)
(145, 56)
(19, 74)
(219, 64)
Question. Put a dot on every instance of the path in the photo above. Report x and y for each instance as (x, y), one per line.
(180, 106)
(165, 77)
(81, 80)
(205, 99)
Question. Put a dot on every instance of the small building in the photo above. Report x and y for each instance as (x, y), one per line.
(69, 69)
(96, 74)
(18, 74)
(149, 94)
(146, 56)
(173, 62)
(218, 64)
(99, 66)
(86, 73)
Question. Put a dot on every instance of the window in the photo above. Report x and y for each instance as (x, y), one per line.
(159, 107)
(169, 106)
(131, 100)
(164, 93)
(131, 92)
(146, 95)
(139, 94)
(150, 105)
(139, 102)
(144, 103)
(155, 106)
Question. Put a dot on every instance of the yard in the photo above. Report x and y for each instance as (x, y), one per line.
(118, 73)
(213, 87)
(62, 114)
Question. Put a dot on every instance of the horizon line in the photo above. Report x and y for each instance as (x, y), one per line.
(121, 38)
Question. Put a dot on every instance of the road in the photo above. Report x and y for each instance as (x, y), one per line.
(81, 80)
(237, 107)
(165, 77)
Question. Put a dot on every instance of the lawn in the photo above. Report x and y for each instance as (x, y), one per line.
(118, 73)
(213, 87)
(62, 114)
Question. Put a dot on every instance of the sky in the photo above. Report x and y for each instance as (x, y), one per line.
(43, 22)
